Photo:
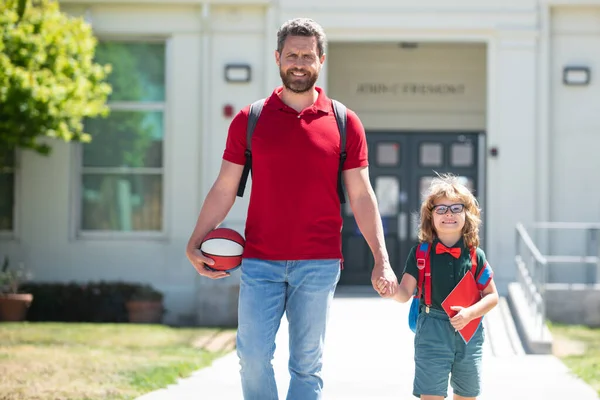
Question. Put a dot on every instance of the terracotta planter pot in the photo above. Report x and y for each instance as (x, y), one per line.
(13, 307)
(145, 312)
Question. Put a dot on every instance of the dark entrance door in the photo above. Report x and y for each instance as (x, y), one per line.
(401, 168)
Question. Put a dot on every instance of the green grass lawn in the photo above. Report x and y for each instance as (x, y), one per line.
(579, 348)
(100, 361)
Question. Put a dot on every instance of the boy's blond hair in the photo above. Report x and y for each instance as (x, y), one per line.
(448, 185)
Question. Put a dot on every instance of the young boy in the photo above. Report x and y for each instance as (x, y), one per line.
(450, 219)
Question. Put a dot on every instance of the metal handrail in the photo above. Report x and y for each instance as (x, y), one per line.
(572, 259)
(532, 281)
(592, 251)
(566, 225)
(529, 242)
(532, 266)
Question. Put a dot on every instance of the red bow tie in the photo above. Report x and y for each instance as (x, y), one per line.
(454, 251)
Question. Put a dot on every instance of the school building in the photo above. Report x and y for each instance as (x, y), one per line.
(505, 94)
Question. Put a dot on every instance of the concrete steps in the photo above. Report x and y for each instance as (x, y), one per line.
(502, 338)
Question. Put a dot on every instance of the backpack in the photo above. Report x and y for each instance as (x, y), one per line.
(339, 111)
(424, 266)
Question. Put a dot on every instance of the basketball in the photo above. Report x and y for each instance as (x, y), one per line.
(225, 246)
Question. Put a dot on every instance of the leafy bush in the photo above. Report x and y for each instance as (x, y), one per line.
(77, 302)
(48, 80)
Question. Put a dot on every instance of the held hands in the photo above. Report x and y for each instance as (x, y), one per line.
(384, 280)
(461, 319)
(200, 262)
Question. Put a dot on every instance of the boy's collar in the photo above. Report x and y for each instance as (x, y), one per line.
(459, 244)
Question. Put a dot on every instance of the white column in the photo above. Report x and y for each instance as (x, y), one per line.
(511, 179)
(187, 134)
(543, 128)
(271, 70)
(206, 104)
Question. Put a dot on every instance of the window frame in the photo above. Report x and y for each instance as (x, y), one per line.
(78, 233)
(13, 234)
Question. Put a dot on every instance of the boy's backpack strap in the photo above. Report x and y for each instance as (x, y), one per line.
(341, 118)
(253, 114)
(474, 268)
(428, 281)
(424, 267)
(474, 262)
(485, 274)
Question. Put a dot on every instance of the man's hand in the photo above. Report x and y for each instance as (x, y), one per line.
(200, 262)
(384, 280)
(461, 319)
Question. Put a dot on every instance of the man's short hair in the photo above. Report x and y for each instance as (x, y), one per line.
(302, 27)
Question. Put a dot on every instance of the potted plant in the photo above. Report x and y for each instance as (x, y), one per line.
(145, 305)
(13, 304)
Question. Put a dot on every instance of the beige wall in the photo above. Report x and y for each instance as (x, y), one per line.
(382, 83)
(504, 49)
(574, 124)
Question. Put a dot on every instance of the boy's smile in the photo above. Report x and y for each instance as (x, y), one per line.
(448, 219)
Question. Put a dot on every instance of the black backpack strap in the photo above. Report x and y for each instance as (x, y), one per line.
(340, 116)
(253, 114)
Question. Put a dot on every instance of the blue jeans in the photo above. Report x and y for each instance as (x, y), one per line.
(304, 290)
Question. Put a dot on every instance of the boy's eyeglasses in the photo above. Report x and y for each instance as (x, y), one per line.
(443, 209)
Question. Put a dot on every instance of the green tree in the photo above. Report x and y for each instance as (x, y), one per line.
(49, 81)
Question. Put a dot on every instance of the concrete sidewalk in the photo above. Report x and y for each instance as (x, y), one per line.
(369, 356)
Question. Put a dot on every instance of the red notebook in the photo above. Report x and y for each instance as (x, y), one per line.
(465, 294)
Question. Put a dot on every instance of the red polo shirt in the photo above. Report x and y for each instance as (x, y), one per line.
(294, 211)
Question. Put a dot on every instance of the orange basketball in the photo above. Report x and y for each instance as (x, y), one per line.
(225, 246)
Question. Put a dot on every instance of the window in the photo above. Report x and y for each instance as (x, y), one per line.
(462, 155)
(431, 154)
(123, 167)
(7, 194)
(388, 154)
(387, 191)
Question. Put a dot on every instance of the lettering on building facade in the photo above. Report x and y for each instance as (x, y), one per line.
(410, 88)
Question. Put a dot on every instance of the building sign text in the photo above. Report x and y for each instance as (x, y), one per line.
(411, 88)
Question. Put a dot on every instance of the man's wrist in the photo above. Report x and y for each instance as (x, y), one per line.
(382, 262)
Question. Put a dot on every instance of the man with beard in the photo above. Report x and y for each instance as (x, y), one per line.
(292, 258)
